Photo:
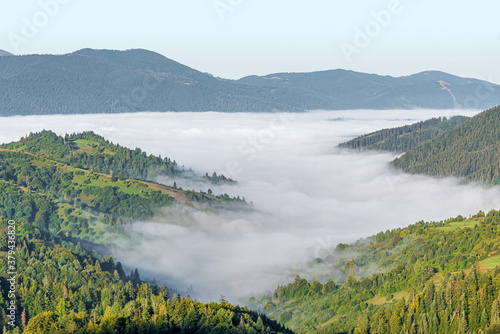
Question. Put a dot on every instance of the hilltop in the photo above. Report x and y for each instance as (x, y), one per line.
(470, 151)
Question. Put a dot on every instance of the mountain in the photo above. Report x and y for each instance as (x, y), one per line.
(354, 90)
(105, 81)
(470, 151)
(430, 277)
(404, 138)
(108, 81)
(5, 53)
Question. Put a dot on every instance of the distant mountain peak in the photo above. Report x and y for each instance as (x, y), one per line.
(5, 53)
(90, 51)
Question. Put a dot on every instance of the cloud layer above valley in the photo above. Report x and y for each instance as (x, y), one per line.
(307, 194)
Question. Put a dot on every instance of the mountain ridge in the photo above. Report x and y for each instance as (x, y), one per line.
(110, 81)
(470, 151)
(4, 53)
(373, 91)
(406, 137)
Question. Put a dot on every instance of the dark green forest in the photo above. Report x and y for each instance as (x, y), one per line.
(404, 138)
(471, 151)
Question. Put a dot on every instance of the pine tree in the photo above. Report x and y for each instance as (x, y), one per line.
(463, 327)
(97, 266)
(241, 326)
(495, 312)
(484, 319)
(24, 319)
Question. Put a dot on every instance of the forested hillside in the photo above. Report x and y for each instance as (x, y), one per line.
(5, 53)
(437, 277)
(404, 138)
(470, 151)
(90, 151)
(79, 200)
(61, 288)
(53, 200)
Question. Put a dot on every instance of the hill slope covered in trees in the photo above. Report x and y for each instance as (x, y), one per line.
(470, 151)
(437, 277)
(404, 138)
(52, 201)
(88, 182)
(62, 288)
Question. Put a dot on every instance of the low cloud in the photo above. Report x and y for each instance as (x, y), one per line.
(308, 195)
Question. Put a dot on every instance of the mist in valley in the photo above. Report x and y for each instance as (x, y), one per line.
(307, 195)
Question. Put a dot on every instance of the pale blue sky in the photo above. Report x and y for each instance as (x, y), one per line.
(262, 37)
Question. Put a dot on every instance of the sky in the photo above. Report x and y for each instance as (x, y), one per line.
(308, 196)
(235, 38)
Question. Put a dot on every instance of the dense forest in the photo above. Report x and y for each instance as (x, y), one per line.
(437, 277)
(470, 151)
(405, 138)
(58, 193)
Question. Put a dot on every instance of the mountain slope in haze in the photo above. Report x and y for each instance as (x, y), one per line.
(5, 53)
(404, 138)
(470, 151)
(430, 277)
(106, 81)
(354, 90)
(85, 294)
